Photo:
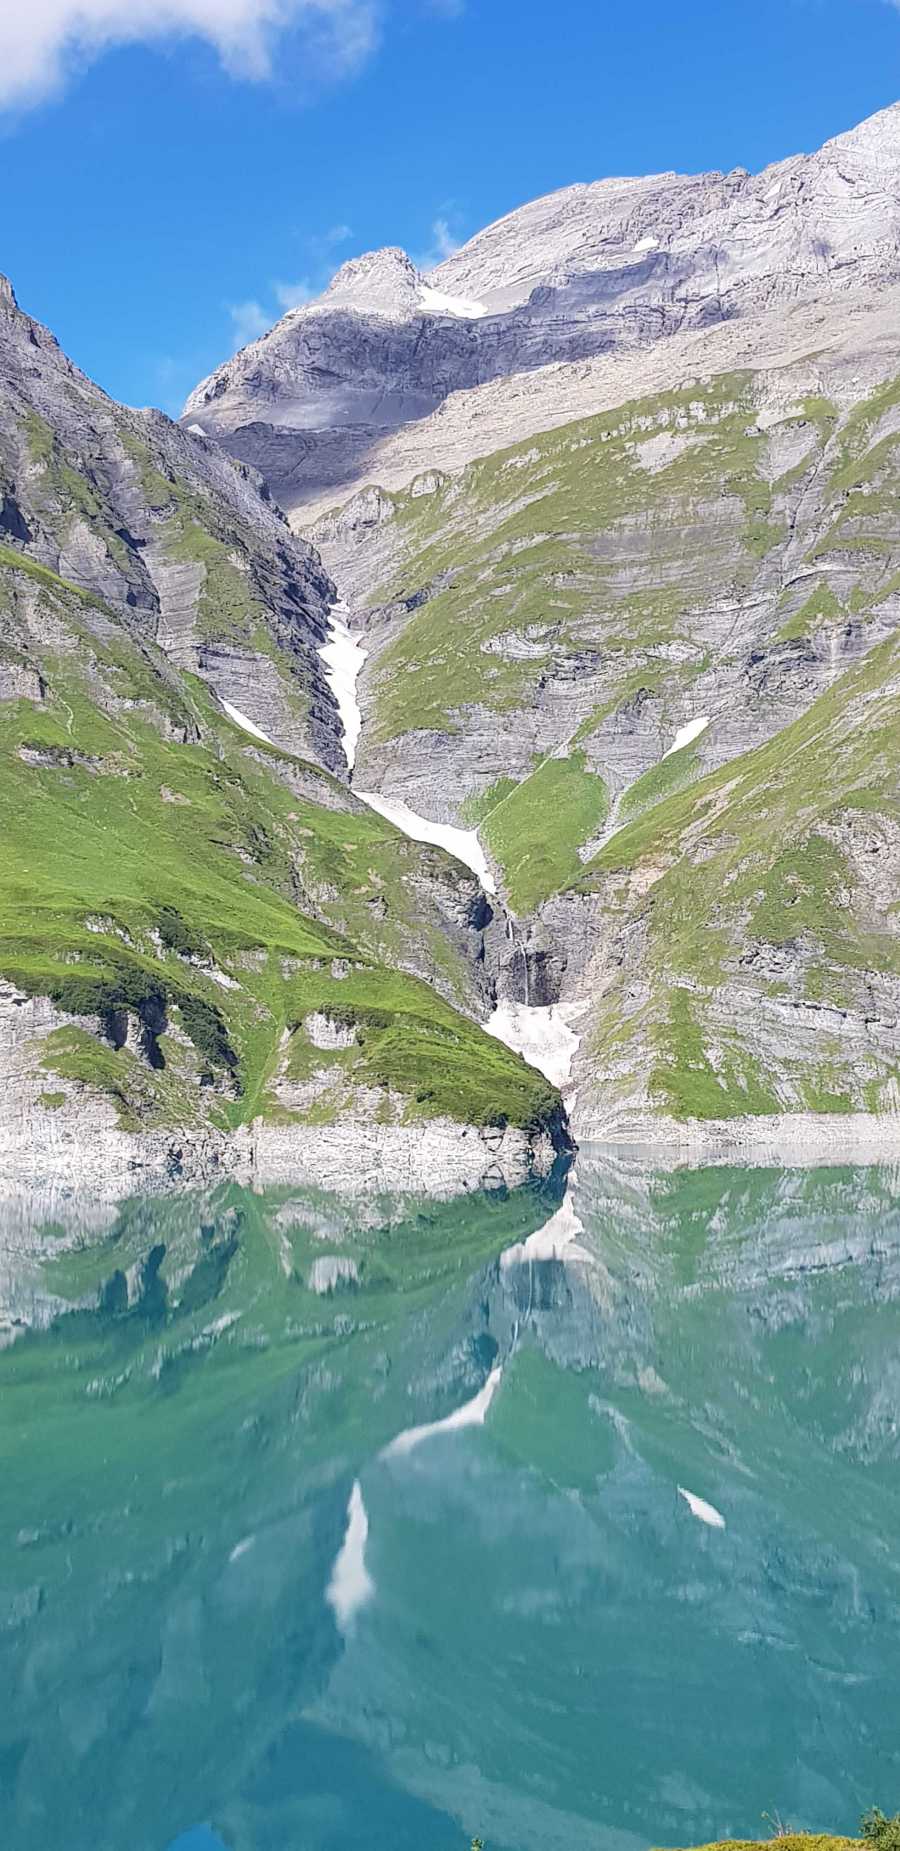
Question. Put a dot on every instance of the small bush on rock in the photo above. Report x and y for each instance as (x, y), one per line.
(881, 1832)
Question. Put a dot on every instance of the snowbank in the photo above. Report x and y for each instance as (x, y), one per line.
(543, 1037)
(686, 734)
(343, 658)
(461, 843)
(240, 719)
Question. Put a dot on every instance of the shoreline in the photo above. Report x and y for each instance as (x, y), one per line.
(439, 1159)
(801, 1140)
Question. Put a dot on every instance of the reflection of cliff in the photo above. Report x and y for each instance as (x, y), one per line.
(587, 1652)
(181, 1444)
(552, 1649)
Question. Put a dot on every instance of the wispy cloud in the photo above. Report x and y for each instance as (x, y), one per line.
(41, 43)
(257, 314)
(248, 321)
(293, 295)
(443, 241)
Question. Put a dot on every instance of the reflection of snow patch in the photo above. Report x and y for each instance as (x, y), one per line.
(241, 1548)
(461, 843)
(332, 1271)
(543, 1037)
(471, 1415)
(707, 1513)
(351, 1585)
(343, 658)
(240, 719)
(437, 303)
(686, 734)
(549, 1242)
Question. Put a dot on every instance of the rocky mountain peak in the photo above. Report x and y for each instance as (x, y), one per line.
(382, 282)
(876, 141)
(617, 265)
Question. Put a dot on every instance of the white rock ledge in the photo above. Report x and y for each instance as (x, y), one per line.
(439, 1157)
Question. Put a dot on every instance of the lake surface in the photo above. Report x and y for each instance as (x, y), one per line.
(264, 1587)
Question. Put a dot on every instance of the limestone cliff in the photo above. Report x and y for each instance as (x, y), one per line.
(344, 390)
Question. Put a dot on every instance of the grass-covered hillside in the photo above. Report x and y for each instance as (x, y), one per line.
(181, 883)
(653, 657)
(198, 928)
(750, 957)
(546, 622)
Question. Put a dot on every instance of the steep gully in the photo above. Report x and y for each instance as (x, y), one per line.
(542, 1035)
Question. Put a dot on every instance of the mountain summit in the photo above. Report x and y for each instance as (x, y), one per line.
(614, 267)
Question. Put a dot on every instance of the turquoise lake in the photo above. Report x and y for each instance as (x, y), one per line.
(327, 1525)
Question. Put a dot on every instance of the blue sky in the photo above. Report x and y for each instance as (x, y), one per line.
(163, 196)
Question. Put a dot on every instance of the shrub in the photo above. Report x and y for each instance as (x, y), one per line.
(880, 1831)
(207, 1030)
(178, 936)
(129, 987)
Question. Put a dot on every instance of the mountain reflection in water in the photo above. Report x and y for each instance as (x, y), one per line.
(334, 1525)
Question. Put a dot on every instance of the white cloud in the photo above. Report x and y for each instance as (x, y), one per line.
(248, 320)
(443, 243)
(293, 295)
(41, 42)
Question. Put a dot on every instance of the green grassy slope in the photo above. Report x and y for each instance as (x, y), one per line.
(535, 829)
(772, 880)
(611, 567)
(518, 538)
(157, 864)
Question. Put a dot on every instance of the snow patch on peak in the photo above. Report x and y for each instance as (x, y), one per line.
(437, 302)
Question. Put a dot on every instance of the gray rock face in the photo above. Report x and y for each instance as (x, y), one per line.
(615, 266)
(182, 544)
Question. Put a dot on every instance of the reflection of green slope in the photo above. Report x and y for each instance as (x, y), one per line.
(543, 1421)
(561, 1647)
(557, 1653)
(148, 1442)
